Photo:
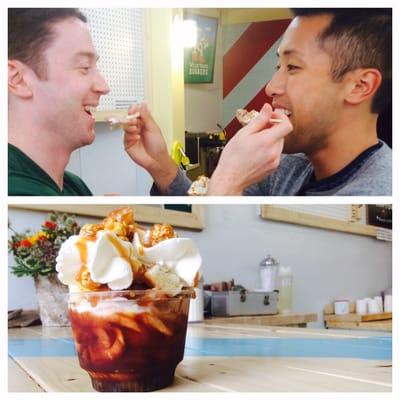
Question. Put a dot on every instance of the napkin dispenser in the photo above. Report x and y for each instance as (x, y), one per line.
(242, 302)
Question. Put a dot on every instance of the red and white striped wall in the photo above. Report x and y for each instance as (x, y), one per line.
(248, 64)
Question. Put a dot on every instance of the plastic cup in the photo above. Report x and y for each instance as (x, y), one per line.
(129, 341)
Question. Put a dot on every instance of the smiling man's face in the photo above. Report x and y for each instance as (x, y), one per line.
(303, 85)
(71, 84)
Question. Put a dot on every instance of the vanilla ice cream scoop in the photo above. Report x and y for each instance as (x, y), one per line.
(179, 254)
(108, 260)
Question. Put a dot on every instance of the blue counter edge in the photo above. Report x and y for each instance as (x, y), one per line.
(372, 348)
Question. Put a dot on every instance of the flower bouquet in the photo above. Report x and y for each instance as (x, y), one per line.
(35, 255)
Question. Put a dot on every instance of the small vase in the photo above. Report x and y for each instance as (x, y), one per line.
(53, 300)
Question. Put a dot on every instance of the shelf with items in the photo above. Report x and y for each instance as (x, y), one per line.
(352, 320)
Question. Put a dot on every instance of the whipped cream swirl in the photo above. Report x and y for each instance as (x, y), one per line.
(112, 261)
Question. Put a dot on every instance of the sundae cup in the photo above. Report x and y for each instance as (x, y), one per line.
(130, 289)
(130, 340)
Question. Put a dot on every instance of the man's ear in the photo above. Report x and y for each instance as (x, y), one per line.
(362, 85)
(18, 84)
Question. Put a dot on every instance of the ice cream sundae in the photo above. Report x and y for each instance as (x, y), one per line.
(130, 289)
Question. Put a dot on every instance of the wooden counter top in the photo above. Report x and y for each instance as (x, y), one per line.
(295, 320)
(223, 358)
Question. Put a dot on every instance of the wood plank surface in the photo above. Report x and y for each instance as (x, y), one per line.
(269, 320)
(211, 373)
(353, 317)
(385, 325)
(249, 374)
(19, 380)
(376, 317)
(343, 318)
(252, 374)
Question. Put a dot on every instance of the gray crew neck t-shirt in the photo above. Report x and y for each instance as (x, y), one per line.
(370, 174)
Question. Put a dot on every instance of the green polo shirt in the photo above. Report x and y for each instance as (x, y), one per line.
(26, 178)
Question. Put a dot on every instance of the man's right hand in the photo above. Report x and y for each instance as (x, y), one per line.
(251, 155)
(144, 143)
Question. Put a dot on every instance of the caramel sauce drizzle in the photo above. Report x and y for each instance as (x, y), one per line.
(83, 276)
(82, 248)
(124, 254)
(196, 279)
(121, 249)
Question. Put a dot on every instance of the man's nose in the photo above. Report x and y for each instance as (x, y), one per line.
(276, 86)
(100, 85)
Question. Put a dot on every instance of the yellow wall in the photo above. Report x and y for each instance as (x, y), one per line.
(207, 12)
(244, 15)
(166, 80)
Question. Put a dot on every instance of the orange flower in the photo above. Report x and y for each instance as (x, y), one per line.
(37, 236)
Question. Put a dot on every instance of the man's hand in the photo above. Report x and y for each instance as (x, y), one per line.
(251, 155)
(146, 146)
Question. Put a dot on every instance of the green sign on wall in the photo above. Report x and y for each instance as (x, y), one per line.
(199, 60)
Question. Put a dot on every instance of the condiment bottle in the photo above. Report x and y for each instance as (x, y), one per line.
(285, 286)
(269, 273)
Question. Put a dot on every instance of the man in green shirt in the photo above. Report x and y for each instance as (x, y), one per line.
(53, 83)
(26, 178)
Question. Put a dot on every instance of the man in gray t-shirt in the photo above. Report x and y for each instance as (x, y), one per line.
(332, 80)
(366, 175)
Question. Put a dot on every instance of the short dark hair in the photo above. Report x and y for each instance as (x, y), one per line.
(358, 38)
(30, 33)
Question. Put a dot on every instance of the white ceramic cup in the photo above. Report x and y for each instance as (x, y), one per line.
(388, 303)
(342, 307)
(380, 302)
(361, 306)
(373, 306)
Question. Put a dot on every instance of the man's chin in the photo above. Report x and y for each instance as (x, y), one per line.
(90, 137)
(292, 148)
(295, 142)
(86, 139)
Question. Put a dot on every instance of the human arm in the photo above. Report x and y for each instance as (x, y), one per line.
(144, 143)
(251, 155)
